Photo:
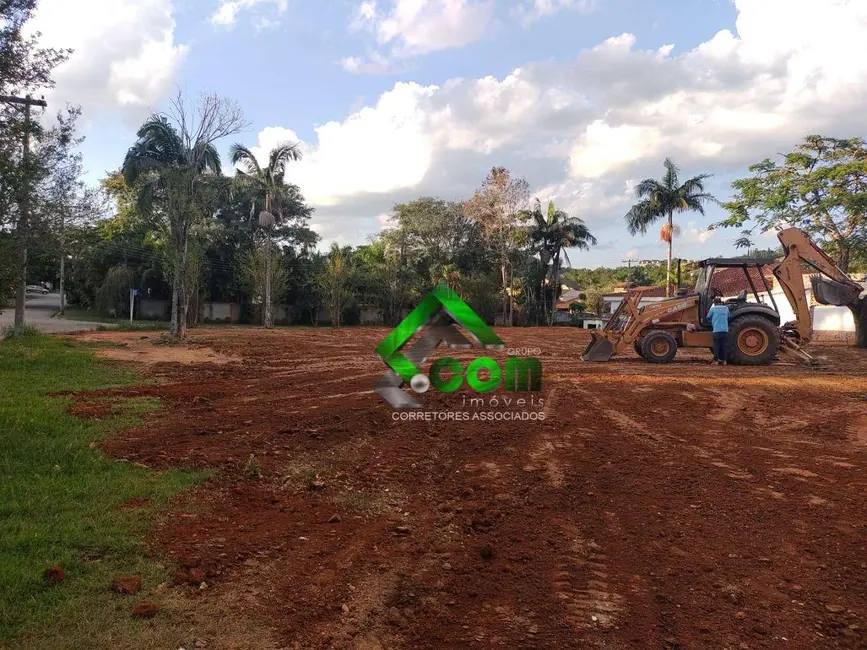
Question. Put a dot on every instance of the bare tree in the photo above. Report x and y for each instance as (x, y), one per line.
(204, 121)
(496, 206)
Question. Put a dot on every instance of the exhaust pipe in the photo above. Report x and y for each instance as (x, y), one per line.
(599, 348)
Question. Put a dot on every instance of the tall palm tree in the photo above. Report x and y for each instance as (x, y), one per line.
(267, 187)
(170, 171)
(661, 199)
(552, 233)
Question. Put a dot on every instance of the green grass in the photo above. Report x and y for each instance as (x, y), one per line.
(59, 498)
(122, 324)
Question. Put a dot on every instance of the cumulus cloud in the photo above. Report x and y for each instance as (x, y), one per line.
(125, 53)
(227, 12)
(374, 63)
(531, 11)
(408, 28)
(695, 233)
(585, 131)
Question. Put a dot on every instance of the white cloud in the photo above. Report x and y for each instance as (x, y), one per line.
(531, 11)
(695, 233)
(585, 130)
(375, 63)
(227, 12)
(376, 151)
(125, 53)
(413, 27)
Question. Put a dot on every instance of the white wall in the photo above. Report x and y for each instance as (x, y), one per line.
(825, 317)
(833, 319)
(611, 302)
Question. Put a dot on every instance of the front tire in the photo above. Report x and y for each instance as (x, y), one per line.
(753, 340)
(658, 347)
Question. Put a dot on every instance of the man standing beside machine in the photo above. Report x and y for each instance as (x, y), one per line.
(718, 315)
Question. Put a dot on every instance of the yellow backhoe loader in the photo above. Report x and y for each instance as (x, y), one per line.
(657, 330)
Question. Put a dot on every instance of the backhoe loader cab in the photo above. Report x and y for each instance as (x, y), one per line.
(708, 287)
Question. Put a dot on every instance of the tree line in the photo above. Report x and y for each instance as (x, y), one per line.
(176, 223)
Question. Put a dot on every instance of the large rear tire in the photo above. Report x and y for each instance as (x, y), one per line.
(753, 341)
(658, 347)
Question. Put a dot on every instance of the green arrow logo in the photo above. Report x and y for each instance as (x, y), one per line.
(441, 298)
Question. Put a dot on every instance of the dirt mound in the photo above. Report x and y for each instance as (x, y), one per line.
(151, 349)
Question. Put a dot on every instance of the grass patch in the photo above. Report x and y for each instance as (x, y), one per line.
(368, 503)
(137, 326)
(59, 498)
(8, 332)
(120, 324)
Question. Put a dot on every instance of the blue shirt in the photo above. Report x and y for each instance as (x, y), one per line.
(719, 318)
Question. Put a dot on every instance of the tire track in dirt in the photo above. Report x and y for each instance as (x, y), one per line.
(591, 603)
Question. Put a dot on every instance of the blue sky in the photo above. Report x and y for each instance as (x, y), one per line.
(401, 98)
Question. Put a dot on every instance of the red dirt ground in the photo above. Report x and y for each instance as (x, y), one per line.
(677, 506)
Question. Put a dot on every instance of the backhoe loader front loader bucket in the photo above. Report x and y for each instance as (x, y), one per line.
(599, 348)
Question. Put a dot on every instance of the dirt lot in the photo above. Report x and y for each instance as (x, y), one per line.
(678, 506)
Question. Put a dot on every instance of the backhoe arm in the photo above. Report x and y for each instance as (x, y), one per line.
(800, 248)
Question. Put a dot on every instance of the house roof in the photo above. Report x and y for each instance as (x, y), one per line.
(570, 295)
(732, 281)
(646, 292)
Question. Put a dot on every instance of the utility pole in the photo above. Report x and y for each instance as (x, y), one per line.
(62, 257)
(23, 210)
(629, 261)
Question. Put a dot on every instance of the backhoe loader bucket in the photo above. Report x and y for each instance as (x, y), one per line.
(829, 292)
(599, 349)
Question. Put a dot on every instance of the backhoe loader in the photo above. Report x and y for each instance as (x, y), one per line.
(657, 330)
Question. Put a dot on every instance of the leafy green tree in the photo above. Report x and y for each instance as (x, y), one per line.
(552, 233)
(596, 298)
(385, 278)
(482, 292)
(170, 175)
(528, 291)
(177, 169)
(238, 233)
(337, 283)
(112, 298)
(820, 187)
(305, 268)
(254, 270)
(25, 69)
(125, 217)
(433, 234)
(661, 200)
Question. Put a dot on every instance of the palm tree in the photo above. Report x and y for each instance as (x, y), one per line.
(552, 234)
(170, 171)
(266, 185)
(660, 200)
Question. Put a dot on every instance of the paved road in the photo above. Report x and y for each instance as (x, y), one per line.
(39, 313)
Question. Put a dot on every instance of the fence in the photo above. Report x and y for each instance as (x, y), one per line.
(226, 312)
